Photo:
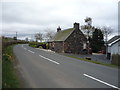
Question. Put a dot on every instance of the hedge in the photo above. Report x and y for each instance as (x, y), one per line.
(11, 42)
(39, 45)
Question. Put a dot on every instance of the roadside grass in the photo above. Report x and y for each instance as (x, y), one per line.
(82, 59)
(9, 76)
(0, 72)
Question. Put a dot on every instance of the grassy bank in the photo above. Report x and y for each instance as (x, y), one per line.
(110, 65)
(9, 76)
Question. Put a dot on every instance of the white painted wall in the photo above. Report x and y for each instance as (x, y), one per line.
(109, 49)
(114, 48)
(84, 45)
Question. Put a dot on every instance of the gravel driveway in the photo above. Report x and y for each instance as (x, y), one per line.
(94, 57)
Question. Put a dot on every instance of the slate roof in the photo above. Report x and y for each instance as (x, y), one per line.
(63, 34)
(113, 39)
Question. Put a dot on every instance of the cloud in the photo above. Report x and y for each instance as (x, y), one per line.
(31, 16)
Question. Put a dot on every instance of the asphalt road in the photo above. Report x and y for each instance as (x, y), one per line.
(46, 69)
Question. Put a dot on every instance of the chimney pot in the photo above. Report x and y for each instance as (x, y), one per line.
(58, 29)
(76, 25)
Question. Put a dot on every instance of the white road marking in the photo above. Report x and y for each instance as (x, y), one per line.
(25, 48)
(49, 59)
(101, 81)
(45, 50)
(31, 51)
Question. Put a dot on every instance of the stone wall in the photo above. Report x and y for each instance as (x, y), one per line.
(56, 46)
(74, 43)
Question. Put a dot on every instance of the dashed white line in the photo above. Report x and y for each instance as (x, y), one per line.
(49, 59)
(31, 51)
(101, 81)
(25, 48)
(42, 56)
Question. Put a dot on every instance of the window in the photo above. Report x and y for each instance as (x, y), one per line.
(84, 45)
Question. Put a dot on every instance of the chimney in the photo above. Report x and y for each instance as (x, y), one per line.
(76, 25)
(58, 29)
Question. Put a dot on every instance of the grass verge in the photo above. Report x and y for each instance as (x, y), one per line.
(9, 76)
(110, 65)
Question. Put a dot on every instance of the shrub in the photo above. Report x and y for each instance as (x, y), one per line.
(47, 46)
(39, 44)
(41, 47)
(116, 59)
(32, 45)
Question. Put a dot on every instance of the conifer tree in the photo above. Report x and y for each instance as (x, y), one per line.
(97, 41)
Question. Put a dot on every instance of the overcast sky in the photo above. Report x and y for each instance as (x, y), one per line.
(28, 17)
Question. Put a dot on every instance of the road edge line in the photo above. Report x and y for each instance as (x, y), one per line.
(101, 81)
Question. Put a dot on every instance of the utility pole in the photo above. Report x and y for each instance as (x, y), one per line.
(106, 42)
(16, 35)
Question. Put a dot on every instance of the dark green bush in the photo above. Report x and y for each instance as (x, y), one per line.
(115, 59)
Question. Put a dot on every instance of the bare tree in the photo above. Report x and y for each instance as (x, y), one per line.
(38, 36)
(106, 32)
(87, 29)
(49, 34)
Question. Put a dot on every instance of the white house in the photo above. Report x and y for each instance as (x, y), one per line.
(114, 46)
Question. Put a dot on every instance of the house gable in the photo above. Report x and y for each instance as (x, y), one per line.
(77, 35)
(75, 42)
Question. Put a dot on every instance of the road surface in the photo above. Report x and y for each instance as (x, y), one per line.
(46, 69)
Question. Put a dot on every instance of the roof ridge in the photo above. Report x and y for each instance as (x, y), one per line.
(66, 29)
(114, 42)
(113, 39)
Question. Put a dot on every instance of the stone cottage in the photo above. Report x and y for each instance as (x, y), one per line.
(71, 40)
